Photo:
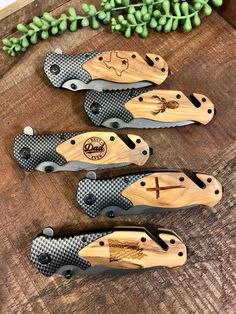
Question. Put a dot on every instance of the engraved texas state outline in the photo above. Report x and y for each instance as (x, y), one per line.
(118, 64)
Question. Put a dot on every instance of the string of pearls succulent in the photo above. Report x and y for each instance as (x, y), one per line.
(123, 15)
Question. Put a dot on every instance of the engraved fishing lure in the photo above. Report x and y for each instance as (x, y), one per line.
(73, 151)
(146, 109)
(104, 70)
(143, 193)
(120, 249)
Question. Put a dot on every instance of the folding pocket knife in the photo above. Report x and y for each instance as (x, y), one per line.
(120, 249)
(78, 151)
(104, 70)
(146, 109)
(143, 193)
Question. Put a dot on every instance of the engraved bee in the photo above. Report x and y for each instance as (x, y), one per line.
(164, 104)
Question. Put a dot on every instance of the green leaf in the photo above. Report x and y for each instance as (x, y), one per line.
(139, 29)
(55, 22)
(138, 16)
(159, 28)
(21, 28)
(13, 54)
(25, 42)
(144, 9)
(144, 33)
(95, 23)
(177, 9)
(156, 13)
(73, 26)
(17, 47)
(196, 20)
(85, 22)
(168, 25)
(102, 15)
(63, 25)
(187, 25)
(207, 9)
(131, 19)
(34, 27)
(146, 17)
(162, 20)
(44, 35)
(217, 3)
(128, 32)
(72, 12)
(37, 21)
(33, 39)
(31, 32)
(6, 49)
(185, 8)
(48, 17)
(175, 24)
(6, 42)
(197, 6)
(85, 8)
(148, 2)
(166, 7)
(153, 23)
(54, 30)
(132, 9)
(118, 27)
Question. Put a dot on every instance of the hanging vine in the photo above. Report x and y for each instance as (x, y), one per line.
(123, 15)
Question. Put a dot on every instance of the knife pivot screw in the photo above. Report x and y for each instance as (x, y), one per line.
(217, 191)
(72, 142)
(90, 199)
(203, 99)
(163, 70)
(95, 108)
(25, 153)
(209, 180)
(133, 56)
(112, 138)
(180, 254)
(110, 214)
(181, 179)
(142, 183)
(140, 99)
(44, 258)
(144, 152)
(73, 86)
(101, 243)
(48, 169)
(115, 125)
(172, 241)
(143, 239)
(55, 69)
(209, 111)
(68, 274)
(178, 96)
(138, 141)
(126, 180)
(62, 137)
(84, 239)
(100, 58)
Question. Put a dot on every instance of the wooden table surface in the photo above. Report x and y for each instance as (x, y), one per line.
(202, 61)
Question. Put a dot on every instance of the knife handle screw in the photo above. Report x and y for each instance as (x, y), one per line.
(110, 214)
(178, 96)
(101, 243)
(157, 58)
(100, 58)
(203, 99)
(72, 142)
(44, 258)
(143, 239)
(217, 191)
(68, 274)
(112, 138)
(73, 86)
(181, 179)
(48, 169)
(138, 141)
(172, 241)
(209, 111)
(140, 99)
(163, 70)
(209, 180)
(144, 152)
(115, 125)
(55, 69)
(25, 153)
(180, 254)
(126, 180)
(84, 239)
(142, 183)
(133, 56)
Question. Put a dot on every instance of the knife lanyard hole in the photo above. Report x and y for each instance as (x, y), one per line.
(72, 142)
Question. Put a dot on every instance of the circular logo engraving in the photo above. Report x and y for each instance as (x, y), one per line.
(95, 148)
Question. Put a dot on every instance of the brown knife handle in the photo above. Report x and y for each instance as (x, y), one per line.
(104, 148)
(132, 249)
(174, 190)
(171, 106)
(127, 67)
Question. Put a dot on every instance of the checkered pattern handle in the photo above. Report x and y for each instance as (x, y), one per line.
(48, 254)
(95, 195)
(101, 106)
(60, 68)
(31, 150)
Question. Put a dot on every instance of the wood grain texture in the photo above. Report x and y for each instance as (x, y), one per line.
(135, 249)
(204, 61)
(127, 67)
(104, 148)
(173, 190)
(171, 106)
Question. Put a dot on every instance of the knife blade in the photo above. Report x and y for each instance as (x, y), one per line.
(146, 109)
(119, 249)
(73, 151)
(152, 192)
(104, 70)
